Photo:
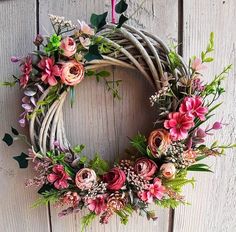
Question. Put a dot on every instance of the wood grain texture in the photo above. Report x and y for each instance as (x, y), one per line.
(99, 121)
(18, 27)
(214, 197)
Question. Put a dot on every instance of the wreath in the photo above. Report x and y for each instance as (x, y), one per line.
(157, 166)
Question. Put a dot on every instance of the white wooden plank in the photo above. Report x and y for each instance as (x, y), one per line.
(97, 120)
(214, 197)
(18, 28)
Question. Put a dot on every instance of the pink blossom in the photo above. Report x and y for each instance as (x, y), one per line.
(197, 65)
(49, 71)
(97, 205)
(68, 46)
(85, 42)
(85, 28)
(198, 84)
(26, 69)
(217, 126)
(193, 107)
(179, 124)
(59, 177)
(24, 79)
(155, 191)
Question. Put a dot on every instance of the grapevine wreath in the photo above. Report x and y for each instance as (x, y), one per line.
(157, 170)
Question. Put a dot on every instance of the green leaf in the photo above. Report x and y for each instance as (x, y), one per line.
(168, 203)
(208, 59)
(22, 160)
(14, 131)
(45, 188)
(103, 74)
(98, 21)
(201, 157)
(99, 165)
(139, 143)
(199, 167)
(79, 148)
(8, 139)
(87, 220)
(55, 40)
(72, 95)
(122, 20)
(93, 53)
(8, 83)
(121, 7)
(175, 61)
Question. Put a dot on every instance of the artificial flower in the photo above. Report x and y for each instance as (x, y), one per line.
(68, 46)
(179, 124)
(85, 28)
(159, 141)
(24, 79)
(50, 71)
(59, 177)
(116, 202)
(168, 170)
(71, 198)
(197, 65)
(155, 191)
(85, 42)
(85, 178)
(38, 40)
(217, 125)
(97, 204)
(72, 73)
(145, 168)
(115, 179)
(189, 156)
(193, 107)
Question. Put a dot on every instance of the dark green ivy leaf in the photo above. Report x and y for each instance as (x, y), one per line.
(14, 131)
(21, 159)
(122, 20)
(98, 21)
(93, 53)
(8, 139)
(45, 188)
(121, 7)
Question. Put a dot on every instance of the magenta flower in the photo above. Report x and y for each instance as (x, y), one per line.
(59, 177)
(193, 107)
(97, 205)
(26, 69)
(50, 71)
(179, 124)
(217, 125)
(197, 65)
(155, 191)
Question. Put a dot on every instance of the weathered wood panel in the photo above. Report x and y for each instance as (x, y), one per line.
(214, 197)
(98, 120)
(18, 27)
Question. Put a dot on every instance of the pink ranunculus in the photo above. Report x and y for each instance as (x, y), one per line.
(168, 170)
(197, 65)
(68, 46)
(193, 107)
(179, 124)
(155, 191)
(145, 168)
(85, 178)
(85, 28)
(115, 179)
(59, 177)
(72, 73)
(50, 71)
(97, 205)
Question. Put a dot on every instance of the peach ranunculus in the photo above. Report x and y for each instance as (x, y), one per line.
(168, 170)
(72, 73)
(68, 47)
(158, 142)
(85, 178)
(145, 168)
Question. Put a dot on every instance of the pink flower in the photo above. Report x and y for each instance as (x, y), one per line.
(197, 65)
(145, 168)
(155, 191)
(49, 71)
(115, 179)
(85, 42)
(72, 73)
(85, 29)
(168, 170)
(97, 205)
(193, 107)
(59, 177)
(217, 126)
(85, 178)
(68, 46)
(24, 79)
(179, 124)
